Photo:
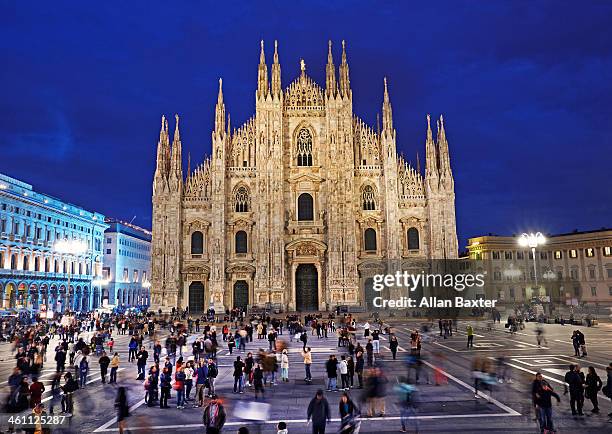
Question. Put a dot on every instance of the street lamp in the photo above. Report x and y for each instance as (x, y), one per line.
(68, 247)
(532, 240)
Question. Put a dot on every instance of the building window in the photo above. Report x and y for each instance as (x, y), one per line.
(610, 290)
(197, 243)
(304, 148)
(574, 274)
(47, 265)
(609, 271)
(109, 240)
(135, 276)
(497, 275)
(125, 275)
(593, 291)
(607, 251)
(524, 293)
(367, 198)
(576, 291)
(496, 255)
(26, 263)
(560, 275)
(520, 255)
(242, 200)
(241, 242)
(369, 237)
(543, 255)
(558, 254)
(592, 273)
(508, 255)
(573, 253)
(589, 253)
(144, 276)
(512, 293)
(108, 251)
(413, 239)
(305, 207)
(37, 264)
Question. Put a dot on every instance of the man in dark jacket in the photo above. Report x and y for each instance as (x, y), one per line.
(104, 361)
(214, 417)
(318, 411)
(141, 362)
(331, 367)
(575, 379)
(542, 394)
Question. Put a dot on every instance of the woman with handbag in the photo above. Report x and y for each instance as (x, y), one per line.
(593, 385)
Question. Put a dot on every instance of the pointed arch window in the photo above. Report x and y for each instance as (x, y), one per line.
(305, 207)
(304, 148)
(368, 198)
(242, 200)
(369, 237)
(241, 242)
(197, 243)
(413, 239)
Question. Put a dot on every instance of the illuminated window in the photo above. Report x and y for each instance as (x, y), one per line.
(589, 253)
(508, 255)
(607, 251)
(573, 253)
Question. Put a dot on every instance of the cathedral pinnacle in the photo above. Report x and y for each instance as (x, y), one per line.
(387, 112)
(276, 73)
(431, 163)
(177, 134)
(220, 110)
(330, 73)
(345, 83)
(262, 74)
(220, 95)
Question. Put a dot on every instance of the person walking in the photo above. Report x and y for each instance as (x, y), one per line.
(285, 366)
(114, 365)
(201, 374)
(83, 371)
(593, 385)
(542, 394)
(359, 365)
(214, 417)
(213, 371)
(348, 412)
(393, 344)
(123, 410)
(470, 336)
(104, 361)
(258, 383)
(179, 386)
(238, 375)
(141, 362)
(189, 372)
(307, 355)
(37, 388)
(575, 379)
(318, 411)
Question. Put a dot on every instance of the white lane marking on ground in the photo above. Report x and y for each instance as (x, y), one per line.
(114, 420)
(548, 377)
(48, 398)
(504, 407)
(303, 421)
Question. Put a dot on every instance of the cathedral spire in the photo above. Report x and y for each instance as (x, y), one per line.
(220, 110)
(262, 74)
(386, 111)
(431, 163)
(345, 84)
(176, 168)
(276, 73)
(162, 146)
(330, 77)
(445, 168)
(418, 162)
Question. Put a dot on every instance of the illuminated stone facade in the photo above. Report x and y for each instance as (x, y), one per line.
(299, 206)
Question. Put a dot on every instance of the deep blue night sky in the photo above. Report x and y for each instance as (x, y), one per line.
(525, 88)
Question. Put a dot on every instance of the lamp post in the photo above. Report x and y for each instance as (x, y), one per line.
(533, 241)
(71, 247)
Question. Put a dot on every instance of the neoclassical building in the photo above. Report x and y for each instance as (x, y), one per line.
(33, 273)
(300, 205)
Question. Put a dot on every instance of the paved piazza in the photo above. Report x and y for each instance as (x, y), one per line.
(447, 408)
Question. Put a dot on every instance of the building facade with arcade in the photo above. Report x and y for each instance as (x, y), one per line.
(300, 205)
(34, 274)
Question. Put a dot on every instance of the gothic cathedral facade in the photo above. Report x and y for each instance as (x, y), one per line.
(300, 206)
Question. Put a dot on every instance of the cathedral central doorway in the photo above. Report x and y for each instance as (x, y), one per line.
(196, 297)
(306, 287)
(241, 294)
